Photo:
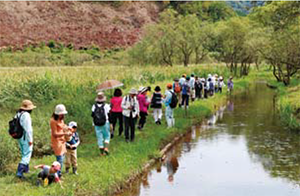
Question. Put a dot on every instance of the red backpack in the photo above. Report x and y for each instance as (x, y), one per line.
(177, 88)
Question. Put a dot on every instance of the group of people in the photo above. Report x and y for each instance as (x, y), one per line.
(193, 87)
(127, 110)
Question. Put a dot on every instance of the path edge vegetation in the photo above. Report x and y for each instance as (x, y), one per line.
(211, 106)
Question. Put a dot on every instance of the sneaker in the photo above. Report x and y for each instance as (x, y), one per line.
(67, 170)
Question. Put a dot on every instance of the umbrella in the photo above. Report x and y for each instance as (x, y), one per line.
(109, 84)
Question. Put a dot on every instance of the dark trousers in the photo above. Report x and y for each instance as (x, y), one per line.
(205, 93)
(142, 121)
(220, 90)
(198, 93)
(129, 124)
(185, 100)
(117, 116)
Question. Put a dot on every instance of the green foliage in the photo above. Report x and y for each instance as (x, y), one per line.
(77, 92)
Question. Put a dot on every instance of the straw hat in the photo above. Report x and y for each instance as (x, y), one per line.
(60, 109)
(56, 165)
(133, 91)
(100, 97)
(27, 105)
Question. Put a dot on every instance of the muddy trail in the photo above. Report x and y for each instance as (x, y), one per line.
(241, 150)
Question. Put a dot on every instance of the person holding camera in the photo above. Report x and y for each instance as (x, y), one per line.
(131, 110)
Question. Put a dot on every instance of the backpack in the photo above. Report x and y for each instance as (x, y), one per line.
(16, 130)
(177, 88)
(174, 100)
(185, 89)
(99, 116)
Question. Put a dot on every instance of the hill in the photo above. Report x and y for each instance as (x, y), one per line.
(104, 24)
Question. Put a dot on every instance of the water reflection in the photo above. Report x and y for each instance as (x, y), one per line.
(241, 150)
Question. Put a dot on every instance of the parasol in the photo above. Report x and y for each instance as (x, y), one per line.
(109, 84)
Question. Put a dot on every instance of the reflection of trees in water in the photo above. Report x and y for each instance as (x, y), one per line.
(278, 152)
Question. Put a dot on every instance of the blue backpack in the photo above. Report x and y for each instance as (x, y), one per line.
(185, 89)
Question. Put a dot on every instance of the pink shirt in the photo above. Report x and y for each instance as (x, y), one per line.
(143, 103)
(116, 104)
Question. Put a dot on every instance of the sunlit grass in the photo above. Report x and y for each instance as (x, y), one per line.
(75, 87)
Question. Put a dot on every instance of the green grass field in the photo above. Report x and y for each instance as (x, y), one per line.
(75, 87)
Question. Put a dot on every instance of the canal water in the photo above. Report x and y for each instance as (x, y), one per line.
(242, 150)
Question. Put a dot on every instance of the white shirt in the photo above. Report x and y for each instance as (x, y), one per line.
(26, 123)
(126, 103)
(106, 109)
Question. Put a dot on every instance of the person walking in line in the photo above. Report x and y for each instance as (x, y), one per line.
(169, 111)
(58, 132)
(116, 111)
(220, 84)
(100, 114)
(177, 90)
(156, 104)
(71, 145)
(185, 92)
(192, 87)
(205, 88)
(131, 111)
(26, 141)
(230, 84)
(211, 88)
(143, 104)
(182, 79)
(198, 87)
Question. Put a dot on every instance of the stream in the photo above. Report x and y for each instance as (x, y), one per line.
(242, 150)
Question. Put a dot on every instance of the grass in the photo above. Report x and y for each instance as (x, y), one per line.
(287, 101)
(75, 87)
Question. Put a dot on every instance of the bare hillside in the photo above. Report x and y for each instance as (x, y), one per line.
(79, 23)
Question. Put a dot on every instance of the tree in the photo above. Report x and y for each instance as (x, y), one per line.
(283, 48)
(186, 36)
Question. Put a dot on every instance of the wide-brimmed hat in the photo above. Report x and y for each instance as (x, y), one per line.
(157, 88)
(100, 97)
(56, 165)
(60, 109)
(141, 88)
(27, 105)
(145, 89)
(133, 91)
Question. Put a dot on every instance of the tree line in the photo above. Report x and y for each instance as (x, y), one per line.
(192, 32)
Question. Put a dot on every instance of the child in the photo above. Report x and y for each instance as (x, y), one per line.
(156, 104)
(49, 174)
(71, 145)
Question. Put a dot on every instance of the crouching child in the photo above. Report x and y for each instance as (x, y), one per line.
(49, 174)
(71, 145)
